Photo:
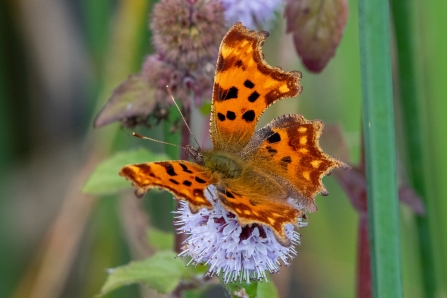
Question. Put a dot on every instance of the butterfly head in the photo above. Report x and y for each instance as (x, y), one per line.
(196, 153)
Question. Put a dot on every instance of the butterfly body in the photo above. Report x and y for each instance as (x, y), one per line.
(226, 164)
(266, 176)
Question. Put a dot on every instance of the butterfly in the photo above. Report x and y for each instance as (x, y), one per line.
(256, 172)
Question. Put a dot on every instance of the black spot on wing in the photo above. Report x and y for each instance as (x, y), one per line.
(221, 116)
(187, 183)
(169, 169)
(253, 96)
(231, 115)
(249, 84)
(230, 195)
(144, 168)
(198, 179)
(239, 64)
(229, 94)
(286, 159)
(271, 150)
(274, 138)
(249, 116)
(185, 168)
(174, 181)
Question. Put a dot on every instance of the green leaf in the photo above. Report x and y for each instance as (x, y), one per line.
(105, 178)
(267, 290)
(160, 240)
(161, 272)
(133, 97)
(238, 290)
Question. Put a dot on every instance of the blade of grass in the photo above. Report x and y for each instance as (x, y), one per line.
(378, 126)
(410, 105)
(433, 65)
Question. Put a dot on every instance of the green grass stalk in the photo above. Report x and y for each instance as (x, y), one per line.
(410, 106)
(380, 150)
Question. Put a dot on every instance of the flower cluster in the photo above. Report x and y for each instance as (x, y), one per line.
(253, 14)
(186, 37)
(239, 253)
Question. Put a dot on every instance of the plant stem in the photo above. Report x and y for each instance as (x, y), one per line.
(378, 128)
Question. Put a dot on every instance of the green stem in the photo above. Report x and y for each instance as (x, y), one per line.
(410, 106)
(378, 125)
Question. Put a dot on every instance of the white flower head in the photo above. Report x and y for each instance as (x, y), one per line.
(239, 253)
(252, 13)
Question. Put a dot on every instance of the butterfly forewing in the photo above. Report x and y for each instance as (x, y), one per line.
(186, 180)
(244, 86)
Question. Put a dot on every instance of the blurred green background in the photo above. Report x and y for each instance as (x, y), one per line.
(59, 62)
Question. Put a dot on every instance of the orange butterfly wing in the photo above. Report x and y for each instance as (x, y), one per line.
(244, 86)
(251, 209)
(288, 148)
(186, 180)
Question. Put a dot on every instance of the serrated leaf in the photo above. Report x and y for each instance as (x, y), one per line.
(161, 272)
(132, 98)
(105, 178)
(267, 290)
(160, 240)
(317, 27)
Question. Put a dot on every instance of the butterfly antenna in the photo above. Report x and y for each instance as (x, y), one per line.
(150, 139)
(181, 114)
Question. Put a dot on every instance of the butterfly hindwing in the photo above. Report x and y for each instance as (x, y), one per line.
(251, 209)
(244, 86)
(186, 180)
(288, 148)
